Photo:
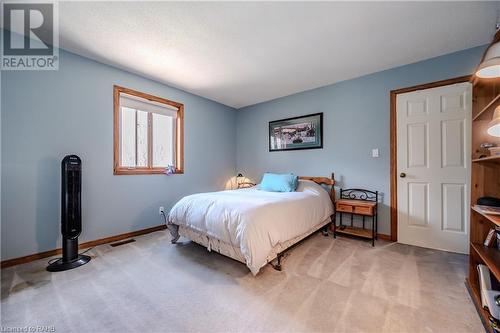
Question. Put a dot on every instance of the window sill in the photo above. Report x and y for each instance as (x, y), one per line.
(143, 171)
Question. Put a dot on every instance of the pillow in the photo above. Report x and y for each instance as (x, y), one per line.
(273, 182)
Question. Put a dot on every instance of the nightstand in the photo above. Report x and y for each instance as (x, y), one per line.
(357, 202)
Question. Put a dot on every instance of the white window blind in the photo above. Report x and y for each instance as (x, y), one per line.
(163, 128)
(138, 103)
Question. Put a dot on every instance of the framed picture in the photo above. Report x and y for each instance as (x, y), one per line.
(304, 132)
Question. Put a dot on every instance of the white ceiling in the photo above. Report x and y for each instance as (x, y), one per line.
(242, 53)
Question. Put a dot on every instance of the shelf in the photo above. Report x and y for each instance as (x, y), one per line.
(490, 159)
(476, 299)
(490, 256)
(365, 233)
(495, 219)
(487, 107)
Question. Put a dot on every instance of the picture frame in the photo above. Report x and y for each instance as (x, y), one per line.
(296, 133)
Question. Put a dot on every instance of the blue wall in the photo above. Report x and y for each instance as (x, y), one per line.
(356, 119)
(48, 114)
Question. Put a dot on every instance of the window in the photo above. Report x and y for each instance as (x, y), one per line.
(148, 133)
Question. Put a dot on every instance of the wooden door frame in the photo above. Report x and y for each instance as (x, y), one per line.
(393, 138)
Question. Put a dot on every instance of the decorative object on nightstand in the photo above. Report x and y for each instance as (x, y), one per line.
(239, 179)
(242, 182)
(357, 202)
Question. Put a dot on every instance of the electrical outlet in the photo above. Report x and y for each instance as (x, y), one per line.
(161, 210)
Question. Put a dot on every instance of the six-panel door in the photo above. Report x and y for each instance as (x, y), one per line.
(433, 162)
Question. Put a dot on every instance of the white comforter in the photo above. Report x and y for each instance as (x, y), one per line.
(253, 220)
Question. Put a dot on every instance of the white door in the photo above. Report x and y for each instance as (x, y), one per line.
(433, 165)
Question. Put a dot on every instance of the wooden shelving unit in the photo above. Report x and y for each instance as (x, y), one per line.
(485, 181)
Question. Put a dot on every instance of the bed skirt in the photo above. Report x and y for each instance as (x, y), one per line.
(224, 248)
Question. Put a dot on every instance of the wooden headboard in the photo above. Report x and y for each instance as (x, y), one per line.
(324, 181)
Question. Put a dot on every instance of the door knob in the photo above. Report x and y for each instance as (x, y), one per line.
(402, 175)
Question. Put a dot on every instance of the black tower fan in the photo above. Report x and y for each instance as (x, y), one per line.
(71, 215)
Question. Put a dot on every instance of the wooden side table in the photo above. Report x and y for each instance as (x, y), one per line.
(357, 202)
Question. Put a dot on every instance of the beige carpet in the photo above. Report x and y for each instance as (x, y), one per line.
(341, 285)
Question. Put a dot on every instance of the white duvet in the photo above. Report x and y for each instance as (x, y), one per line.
(253, 220)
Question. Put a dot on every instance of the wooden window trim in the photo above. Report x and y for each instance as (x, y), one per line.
(179, 144)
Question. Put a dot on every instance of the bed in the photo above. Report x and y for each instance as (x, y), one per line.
(252, 226)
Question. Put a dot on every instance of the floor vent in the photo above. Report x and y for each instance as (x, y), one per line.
(131, 240)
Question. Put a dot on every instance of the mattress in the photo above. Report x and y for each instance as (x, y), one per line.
(255, 222)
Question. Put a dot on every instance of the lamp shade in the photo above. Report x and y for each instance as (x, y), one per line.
(494, 125)
(490, 64)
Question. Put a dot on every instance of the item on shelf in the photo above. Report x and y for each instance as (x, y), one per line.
(494, 151)
(489, 296)
(485, 146)
(495, 324)
(489, 201)
(494, 308)
(490, 238)
(484, 282)
(497, 236)
(490, 210)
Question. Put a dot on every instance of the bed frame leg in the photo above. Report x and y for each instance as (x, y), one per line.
(277, 266)
(278, 263)
(174, 240)
(174, 232)
(324, 231)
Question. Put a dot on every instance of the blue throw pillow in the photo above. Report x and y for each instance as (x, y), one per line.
(273, 182)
